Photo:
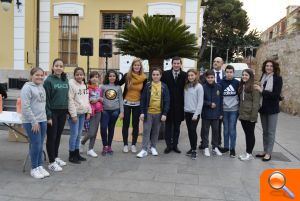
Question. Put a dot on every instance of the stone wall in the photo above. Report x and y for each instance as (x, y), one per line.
(286, 51)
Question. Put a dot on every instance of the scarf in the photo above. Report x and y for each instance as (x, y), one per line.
(93, 86)
(137, 78)
(269, 79)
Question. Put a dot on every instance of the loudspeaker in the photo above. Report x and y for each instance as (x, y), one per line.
(86, 46)
(105, 48)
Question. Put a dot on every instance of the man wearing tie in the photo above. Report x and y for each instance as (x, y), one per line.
(219, 75)
(175, 80)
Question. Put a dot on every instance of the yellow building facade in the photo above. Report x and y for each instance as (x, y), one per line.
(36, 32)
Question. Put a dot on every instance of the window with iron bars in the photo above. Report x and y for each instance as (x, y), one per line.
(115, 20)
(68, 39)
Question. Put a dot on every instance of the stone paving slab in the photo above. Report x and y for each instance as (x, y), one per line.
(172, 177)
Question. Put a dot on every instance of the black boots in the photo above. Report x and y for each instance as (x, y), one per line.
(73, 158)
(77, 154)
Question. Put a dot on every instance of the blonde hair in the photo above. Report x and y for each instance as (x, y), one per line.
(129, 74)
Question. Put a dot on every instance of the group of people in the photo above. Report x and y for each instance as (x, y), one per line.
(168, 97)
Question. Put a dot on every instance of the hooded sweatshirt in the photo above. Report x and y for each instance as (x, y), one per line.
(33, 103)
(57, 94)
(78, 98)
(230, 95)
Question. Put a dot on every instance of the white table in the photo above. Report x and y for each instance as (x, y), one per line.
(9, 118)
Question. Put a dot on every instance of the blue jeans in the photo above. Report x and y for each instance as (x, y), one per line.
(108, 122)
(76, 131)
(36, 141)
(229, 121)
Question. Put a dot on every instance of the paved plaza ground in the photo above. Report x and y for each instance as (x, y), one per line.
(172, 177)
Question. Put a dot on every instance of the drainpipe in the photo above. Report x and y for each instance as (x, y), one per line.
(37, 49)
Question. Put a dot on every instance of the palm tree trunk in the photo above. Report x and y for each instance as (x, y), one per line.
(156, 63)
(203, 46)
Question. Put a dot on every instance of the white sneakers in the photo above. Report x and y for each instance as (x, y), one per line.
(125, 149)
(142, 154)
(43, 171)
(133, 149)
(92, 153)
(54, 167)
(206, 152)
(35, 173)
(39, 173)
(60, 162)
(153, 151)
(216, 151)
(246, 157)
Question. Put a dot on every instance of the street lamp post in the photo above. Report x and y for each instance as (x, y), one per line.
(227, 55)
(6, 4)
(211, 53)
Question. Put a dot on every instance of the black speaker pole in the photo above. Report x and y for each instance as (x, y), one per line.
(88, 67)
(106, 64)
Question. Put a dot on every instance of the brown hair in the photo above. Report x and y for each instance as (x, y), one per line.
(249, 84)
(157, 69)
(63, 75)
(176, 58)
(93, 74)
(129, 74)
(209, 72)
(276, 68)
(106, 79)
(34, 70)
(80, 69)
(195, 82)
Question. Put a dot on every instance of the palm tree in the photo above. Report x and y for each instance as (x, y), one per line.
(157, 38)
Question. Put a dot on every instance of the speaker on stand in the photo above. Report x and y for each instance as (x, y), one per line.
(86, 49)
(105, 50)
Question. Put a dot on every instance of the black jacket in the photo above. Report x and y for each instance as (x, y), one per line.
(270, 100)
(123, 81)
(145, 99)
(212, 94)
(3, 92)
(176, 90)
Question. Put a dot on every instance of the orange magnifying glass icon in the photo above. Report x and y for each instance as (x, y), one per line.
(277, 181)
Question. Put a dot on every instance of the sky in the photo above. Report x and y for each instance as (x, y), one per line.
(265, 13)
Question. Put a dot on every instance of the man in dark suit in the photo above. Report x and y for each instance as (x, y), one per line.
(219, 75)
(175, 80)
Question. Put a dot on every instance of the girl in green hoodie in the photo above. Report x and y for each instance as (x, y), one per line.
(57, 88)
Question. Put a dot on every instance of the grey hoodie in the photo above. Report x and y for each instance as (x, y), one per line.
(33, 100)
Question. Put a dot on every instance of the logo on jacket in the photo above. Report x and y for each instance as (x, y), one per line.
(218, 93)
(111, 94)
(229, 91)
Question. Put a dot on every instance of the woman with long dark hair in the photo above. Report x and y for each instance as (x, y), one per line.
(248, 111)
(270, 88)
(57, 88)
(112, 109)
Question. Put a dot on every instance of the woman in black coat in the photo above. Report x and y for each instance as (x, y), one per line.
(271, 85)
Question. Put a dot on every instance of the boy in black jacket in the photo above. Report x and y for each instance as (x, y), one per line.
(211, 113)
